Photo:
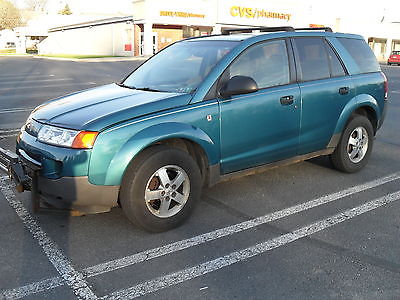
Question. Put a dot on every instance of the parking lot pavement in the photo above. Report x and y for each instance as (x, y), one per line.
(303, 231)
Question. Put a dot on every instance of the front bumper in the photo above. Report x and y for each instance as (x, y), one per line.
(71, 193)
(77, 193)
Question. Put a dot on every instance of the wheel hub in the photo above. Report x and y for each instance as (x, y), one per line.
(357, 145)
(167, 191)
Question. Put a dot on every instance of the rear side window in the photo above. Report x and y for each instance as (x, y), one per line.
(312, 58)
(361, 54)
(334, 62)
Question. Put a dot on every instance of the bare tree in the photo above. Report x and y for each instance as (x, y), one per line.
(36, 5)
(10, 16)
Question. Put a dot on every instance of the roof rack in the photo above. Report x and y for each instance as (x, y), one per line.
(261, 29)
(272, 29)
(327, 29)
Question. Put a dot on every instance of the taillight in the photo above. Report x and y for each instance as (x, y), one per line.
(385, 85)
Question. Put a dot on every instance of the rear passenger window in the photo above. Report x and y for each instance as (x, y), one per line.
(312, 58)
(362, 54)
(334, 62)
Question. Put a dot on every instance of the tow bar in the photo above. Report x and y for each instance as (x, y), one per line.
(24, 171)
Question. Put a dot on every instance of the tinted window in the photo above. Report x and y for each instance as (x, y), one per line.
(266, 63)
(334, 63)
(313, 61)
(395, 52)
(362, 54)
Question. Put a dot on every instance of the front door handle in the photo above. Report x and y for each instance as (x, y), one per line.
(344, 90)
(287, 100)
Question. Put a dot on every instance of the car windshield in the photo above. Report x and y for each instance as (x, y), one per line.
(395, 52)
(179, 68)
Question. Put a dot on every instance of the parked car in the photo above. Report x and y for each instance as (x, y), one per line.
(202, 110)
(394, 58)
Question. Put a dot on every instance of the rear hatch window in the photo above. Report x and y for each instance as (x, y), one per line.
(361, 54)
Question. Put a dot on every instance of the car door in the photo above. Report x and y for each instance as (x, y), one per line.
(263, 126)
(325, 90)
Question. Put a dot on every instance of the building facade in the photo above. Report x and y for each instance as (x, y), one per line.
(155, 24)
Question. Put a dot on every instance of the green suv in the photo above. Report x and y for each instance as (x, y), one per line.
(199, 111)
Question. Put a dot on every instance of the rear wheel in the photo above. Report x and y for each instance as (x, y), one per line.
(160, 188)
(355, 145)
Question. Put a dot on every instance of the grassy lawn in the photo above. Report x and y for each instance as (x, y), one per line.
(76, 56)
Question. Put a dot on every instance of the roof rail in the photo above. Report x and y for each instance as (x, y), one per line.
(327, 29)
(261, 29)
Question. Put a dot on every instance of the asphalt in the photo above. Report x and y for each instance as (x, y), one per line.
(356, 258)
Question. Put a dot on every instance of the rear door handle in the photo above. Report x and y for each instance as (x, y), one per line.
(344, 90)
(287, 100)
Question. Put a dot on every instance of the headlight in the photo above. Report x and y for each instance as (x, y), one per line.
(66, 137)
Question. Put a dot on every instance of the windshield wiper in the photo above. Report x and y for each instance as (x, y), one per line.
(148, 89)
(125, 86)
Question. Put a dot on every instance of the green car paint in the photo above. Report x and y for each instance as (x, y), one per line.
(238, 133)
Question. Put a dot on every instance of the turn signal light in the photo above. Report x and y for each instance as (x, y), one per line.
(84, 140)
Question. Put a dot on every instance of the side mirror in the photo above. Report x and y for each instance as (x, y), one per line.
(239, 85)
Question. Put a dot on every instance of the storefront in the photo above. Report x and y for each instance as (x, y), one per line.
(160, 23)
(156, 24)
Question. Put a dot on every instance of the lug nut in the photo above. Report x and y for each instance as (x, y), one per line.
(162, 193)
(167, 185)
(173, 194)
(167, 198)
(174, 186)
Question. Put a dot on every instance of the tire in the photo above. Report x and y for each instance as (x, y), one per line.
(149, 197)
(355, 145)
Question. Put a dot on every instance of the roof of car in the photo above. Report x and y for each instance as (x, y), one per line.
(240, 36)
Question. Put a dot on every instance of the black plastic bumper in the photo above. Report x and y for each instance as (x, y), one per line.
(73, 194)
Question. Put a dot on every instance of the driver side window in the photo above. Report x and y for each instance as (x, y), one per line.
(267, 63)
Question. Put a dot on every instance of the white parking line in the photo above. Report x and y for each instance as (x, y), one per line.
(8, 136)
(163, 282)
(46, 86)
(223, 232)
(9, 131)
(36, 75)
(7, 82)
(146, 255)
(72, 278)
(14, 110)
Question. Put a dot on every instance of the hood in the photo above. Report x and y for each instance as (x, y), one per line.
(100, 107)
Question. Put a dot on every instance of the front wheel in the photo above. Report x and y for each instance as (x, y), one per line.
(355, 145)
(160, 188)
